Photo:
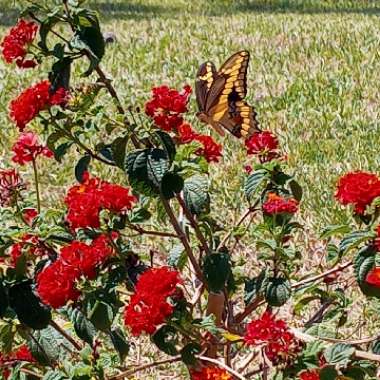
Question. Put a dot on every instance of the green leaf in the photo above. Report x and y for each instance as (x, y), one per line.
(278, 291)
(335, 230)
(81, 167)
(254, 182)
(328, 373)
(188, 353)
(255, 287)
(84, 329)
(171, 184)
(354, 239)
(54, 375)
(167, 144)
(296, 190)
(102, 316)
(195, 192)
(44, 29)
(177, 257)
(120, 343)
(3, 298)
(45, 346)
(61, 150)
(118, 149)
(165, 339)
(7, 335)
(59, 75)
(140, 215)
(375, 347)
(339, 354)
(145, 169)
(28, 306)
(217, 270)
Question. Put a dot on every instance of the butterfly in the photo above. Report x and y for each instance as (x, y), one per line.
(220, 96)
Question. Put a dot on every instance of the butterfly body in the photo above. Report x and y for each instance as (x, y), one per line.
(220, 96)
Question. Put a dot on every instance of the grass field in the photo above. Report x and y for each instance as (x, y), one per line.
(314, 76)
(314, 79)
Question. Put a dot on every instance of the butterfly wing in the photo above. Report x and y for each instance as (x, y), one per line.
(205, 78)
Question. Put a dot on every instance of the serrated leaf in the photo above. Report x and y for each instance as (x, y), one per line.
(118, 149)
(81, 167)
(254, 181)
(120, 343)
(28, 307)
(84, 329)
(165, 339)
(188, 353)
(278, 291)
(354, 239)
(339, 354)
(167, 143)
(54, 375)
(195, 192)
(335, 230)
(102, 316)
(171, 184)
(177, 257)
(157, 166)
(217, 270)
(296, 190)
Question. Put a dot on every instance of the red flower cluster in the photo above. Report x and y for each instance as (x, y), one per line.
(29, 214)
(148, 306)
(264, 145)
(33, 100)
(275, 204)
(85, 201)
(280, 343)
(312, 374)
(56, 284)
(16, 43)
(28, 147)
(373, 277)
(28, 245)
(210, 373)
(21, 355)
(210, 150)
(10, 184)
(167, 106)
(358, 188)
(377, 239)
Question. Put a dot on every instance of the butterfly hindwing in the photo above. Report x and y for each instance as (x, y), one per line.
(205, 78)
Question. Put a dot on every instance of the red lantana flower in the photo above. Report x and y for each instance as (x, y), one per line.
(210, 373)
(16, 43)
(33, 100)
(148, 307)
(373, 277)
(10, 184)
(211, 151)
(56, 284)
(312, 374)
(29, 215)
(263, 144)
(167, 106)
(279, 342)
(29, 245)
(275, 204)
(27, 148)
(85, 201)
(358, 188)
(186, 134)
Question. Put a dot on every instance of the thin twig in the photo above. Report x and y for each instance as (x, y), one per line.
(143, 231)
(131, 372)
(65, 335)
(337, 269)
(357, 353)
(222, 365)
(183, 238)
(193, 224)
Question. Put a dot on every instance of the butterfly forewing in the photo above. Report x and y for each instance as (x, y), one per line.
(205, 78)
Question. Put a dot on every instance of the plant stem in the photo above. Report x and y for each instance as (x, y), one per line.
(183, 238)
(36, 185)
(194, 224)
(65, 335)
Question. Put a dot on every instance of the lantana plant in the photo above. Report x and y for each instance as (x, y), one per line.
(77, 292)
